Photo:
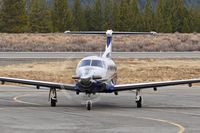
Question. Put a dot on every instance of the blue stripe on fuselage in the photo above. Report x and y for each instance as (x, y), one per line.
(109, 39)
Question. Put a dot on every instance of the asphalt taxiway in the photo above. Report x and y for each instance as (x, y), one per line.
(77, 55)
(170, 110)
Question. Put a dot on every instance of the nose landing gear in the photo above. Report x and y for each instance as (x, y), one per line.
(53, 97)
(89, 103)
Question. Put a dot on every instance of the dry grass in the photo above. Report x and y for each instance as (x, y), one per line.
(134, 71)
(63, 42)
(129, 71)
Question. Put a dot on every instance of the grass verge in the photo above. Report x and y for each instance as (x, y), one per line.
(129, 71)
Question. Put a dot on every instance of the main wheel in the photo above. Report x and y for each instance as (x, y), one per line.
(53, 102)
(116, 93)
(89, 105)
(139, 102)
(77, 93)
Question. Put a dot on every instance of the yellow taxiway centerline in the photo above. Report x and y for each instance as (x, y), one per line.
(180, 127)
(16, 99)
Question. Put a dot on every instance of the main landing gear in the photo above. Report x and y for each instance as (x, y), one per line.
(138, 99)
(53, 97)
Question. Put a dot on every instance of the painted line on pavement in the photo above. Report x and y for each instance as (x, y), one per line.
(180, 127)
(16, 99)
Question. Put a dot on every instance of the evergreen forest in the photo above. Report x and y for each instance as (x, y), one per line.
(38, 16)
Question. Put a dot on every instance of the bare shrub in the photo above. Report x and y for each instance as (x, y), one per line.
(127, 43)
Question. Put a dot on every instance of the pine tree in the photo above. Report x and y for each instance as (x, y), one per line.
(116, 16)
(13, 16)
(125, 15)
(162, 16)
(88, 17)
(108, 15)
(97, 16)
(61, 16)
(186, 28)
(194, 13)
(159, 16)
(148, 16)
(177, 14)
(39, 17)
(79, 22)
(135, 16)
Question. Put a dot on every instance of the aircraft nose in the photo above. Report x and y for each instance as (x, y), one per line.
(85, 80)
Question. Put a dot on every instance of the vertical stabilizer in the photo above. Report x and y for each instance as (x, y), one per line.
(108, 50)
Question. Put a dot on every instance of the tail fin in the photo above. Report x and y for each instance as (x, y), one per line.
(108, 50)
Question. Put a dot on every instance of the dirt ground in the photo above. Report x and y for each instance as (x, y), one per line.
(129, 70)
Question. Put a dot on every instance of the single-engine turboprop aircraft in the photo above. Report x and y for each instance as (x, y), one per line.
(98, 75)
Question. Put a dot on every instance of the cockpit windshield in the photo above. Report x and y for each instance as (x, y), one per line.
(95, 63)
(85, 63)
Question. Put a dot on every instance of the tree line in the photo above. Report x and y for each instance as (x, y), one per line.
(36, 16)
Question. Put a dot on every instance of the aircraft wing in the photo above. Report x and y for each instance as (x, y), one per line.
(154, 85)
(38, 84)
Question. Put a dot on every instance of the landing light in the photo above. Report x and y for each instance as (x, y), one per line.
(75, 77)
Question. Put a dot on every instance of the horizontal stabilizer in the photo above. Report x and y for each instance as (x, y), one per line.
(114, 33)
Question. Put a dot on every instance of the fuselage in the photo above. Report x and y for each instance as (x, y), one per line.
(95, 74)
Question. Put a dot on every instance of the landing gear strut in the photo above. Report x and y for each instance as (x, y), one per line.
(53, 97)
(138, 99)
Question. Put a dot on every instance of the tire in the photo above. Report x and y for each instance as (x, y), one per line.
(89, 105)
(53, 103)
(116, 93)
(139, 103)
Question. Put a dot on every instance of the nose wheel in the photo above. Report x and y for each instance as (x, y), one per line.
(53, 102)
(89, 105)
(89, 102)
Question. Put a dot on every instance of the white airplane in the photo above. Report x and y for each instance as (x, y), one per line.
(98, 75)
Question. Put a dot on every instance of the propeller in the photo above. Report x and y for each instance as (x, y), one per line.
(80, 99)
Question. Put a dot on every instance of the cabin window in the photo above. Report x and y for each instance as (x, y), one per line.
(85, 63)
(97, 63)
(112, 68)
